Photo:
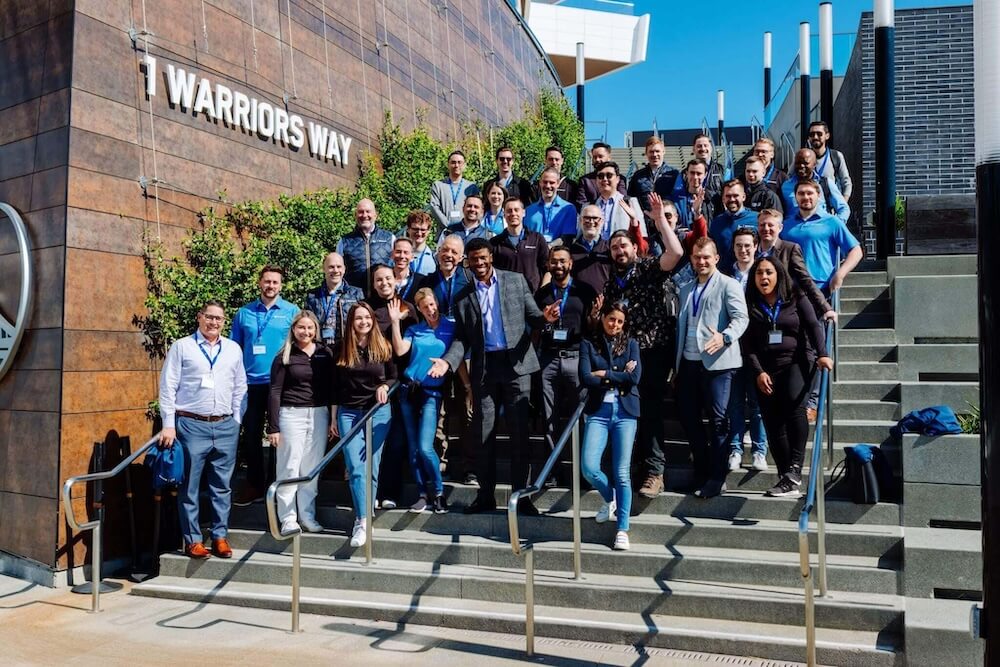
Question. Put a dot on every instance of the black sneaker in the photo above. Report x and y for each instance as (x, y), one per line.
(440, 505)
(785, 488)
(471, 480)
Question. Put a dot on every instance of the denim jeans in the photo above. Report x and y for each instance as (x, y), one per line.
(211, 450)
(743, 399)
(420, 418)
(304, 433)
(354, 453)
(610, 418)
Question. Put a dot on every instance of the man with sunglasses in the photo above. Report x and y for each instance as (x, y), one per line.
(829, 162)
(587, 192)
(516, 186)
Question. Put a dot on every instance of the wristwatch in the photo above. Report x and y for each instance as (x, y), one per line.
(727, 340)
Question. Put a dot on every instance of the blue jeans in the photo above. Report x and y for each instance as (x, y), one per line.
(354, 453)
(210, 449)
(610, 418)
(743, 397)
(420, 418)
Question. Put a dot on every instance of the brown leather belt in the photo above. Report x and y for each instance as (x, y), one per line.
(202, 418)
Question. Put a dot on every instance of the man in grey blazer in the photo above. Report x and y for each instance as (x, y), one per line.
(491, 318)
(713, 316)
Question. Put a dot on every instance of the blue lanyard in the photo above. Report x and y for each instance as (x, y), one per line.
(261, 326)
(211, 360)
(455, 191)
(405, 287)
(772, 313)
(328, 301)
(546, 217)
(622, 282)
(822, 166)
(449, 283)
(565, 296)
(696, 296)
(770, 171)
(416, 261)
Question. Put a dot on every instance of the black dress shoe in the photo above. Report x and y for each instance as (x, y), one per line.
(527, 508)
(478, 507)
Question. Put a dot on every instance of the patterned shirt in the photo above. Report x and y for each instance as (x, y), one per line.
(651, 297)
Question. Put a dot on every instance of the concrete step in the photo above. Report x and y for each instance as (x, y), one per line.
(867, 336)
(737, 638)
(866, 370)
(866, 410)
(611, 592)
(866, 320)
(866, 390)
(736, 566)
(678, 455)
(867, 352)
(856, 278)
(865, 305)
(863, 291)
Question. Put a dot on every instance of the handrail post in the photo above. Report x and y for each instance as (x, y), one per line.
(529, 600)
(821, 493)
(96, 565)
(369, 494)
(810, 602)
(829, 417)
(296, 569)
(577, 530)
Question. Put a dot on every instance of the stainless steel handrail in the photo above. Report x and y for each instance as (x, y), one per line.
(572, 430)
(271, 502)
(816, 498)
(96, 557)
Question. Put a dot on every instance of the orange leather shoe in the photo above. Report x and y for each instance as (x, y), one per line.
(197, 550)
(221, 548)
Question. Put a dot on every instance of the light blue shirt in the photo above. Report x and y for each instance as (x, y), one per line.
(841, 210)
(423, 261)
(820, 237)
(489, 304)
(551, 220)
(261, 332)
(202, 378)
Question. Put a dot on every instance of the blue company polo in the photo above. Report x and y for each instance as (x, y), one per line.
(820, 236)
(723, 227)
(841, 209)
(428, 343)
(551, 220)
(261, 332)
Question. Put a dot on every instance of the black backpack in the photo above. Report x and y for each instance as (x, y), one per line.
(867, 472)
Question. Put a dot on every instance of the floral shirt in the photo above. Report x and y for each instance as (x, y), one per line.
(651, 297)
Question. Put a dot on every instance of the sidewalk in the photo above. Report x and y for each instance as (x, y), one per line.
(44, 626)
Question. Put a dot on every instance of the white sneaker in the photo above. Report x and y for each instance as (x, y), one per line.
(358, 537)
(310, 525)
(419, 506)
(621, 541)
(735, 461)
(289, 526)
(606, 513)
(388, 504)
(759, 462)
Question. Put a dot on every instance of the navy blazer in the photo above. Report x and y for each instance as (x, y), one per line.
(626, 385)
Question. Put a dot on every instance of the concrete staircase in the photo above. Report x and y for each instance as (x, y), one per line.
(717, 575)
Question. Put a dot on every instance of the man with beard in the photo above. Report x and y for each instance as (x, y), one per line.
(829, 162)
(724, 225)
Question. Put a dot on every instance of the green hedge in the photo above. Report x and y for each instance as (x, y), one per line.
(221, 260)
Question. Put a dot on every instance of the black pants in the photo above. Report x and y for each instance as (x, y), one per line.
(395, 456)
(457, 442)
(656, 365)
(560, 391)
(258, 475)
(784, 413)
(701, 391)
(502, 386)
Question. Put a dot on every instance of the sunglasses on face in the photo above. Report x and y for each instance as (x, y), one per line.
(605, 176)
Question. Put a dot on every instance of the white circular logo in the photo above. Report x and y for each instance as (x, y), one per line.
(11, 332)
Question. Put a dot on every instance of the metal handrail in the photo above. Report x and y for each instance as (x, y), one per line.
(271, 501)
(816, 499)
(96, 557)
(572, 430)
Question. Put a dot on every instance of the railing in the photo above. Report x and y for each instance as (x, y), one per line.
(271, 502)
(572, 430)
(96, 557)
(815, 498)
(786, 150)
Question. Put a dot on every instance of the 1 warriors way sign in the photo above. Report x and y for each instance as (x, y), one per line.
(12, 227)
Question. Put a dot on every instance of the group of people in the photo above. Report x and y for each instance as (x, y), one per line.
(552, 294)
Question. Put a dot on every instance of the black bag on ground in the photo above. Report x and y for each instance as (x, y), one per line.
(868, 474)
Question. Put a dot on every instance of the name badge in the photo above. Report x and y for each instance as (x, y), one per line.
(260, 349)
(207, 382)
(561, 335)
(774, 337)
(326, 334)
(455, 216)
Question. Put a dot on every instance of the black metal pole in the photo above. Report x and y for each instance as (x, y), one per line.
(767, 79)
(721, 114)
(580, 77)
(885, 128)
(826, 64)
(805, 101)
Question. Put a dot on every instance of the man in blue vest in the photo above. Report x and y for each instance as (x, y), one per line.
(724, 225)
(366, 246)
(260, 328)
(331, 301)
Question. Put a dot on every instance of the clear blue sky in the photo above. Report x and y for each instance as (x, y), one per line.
(696, 48)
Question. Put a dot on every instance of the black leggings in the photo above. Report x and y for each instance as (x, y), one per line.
(784, 413)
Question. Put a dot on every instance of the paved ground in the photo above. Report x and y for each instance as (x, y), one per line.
(42, 626)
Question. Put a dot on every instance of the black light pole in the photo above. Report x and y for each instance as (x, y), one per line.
(767, 78)
(580, 76)
(805, 103)
(826, 63)
(720, 103)
(885, 128)
(986, 19)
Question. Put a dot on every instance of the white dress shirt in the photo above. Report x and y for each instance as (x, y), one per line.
(202, 378)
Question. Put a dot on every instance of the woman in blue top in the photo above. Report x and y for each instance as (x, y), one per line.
(610, 370)
(496, 195)
(421, 401)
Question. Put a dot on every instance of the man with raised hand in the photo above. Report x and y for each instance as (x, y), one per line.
(448, 195)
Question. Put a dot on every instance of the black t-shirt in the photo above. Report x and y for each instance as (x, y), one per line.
(306, 382)
(579, 301)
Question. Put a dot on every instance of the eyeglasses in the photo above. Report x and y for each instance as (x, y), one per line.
(606, 175)
(213, 318)
(420, 230)
(505, 159)
(592, 218)
(819, 133)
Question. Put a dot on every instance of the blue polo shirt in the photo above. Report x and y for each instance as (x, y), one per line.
(426, 344)
(820, 236)
(261, 332)
(551, 220)
(723, 227)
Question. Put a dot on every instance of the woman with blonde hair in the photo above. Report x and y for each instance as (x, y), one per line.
(365, 370)
(299, 409)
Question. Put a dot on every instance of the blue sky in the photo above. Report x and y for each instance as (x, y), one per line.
(696, 48)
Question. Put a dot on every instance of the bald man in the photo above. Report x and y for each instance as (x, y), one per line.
(330, 301)
(366, 246)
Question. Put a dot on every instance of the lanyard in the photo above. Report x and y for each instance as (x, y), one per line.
(449, 285)
(622, 282)
(405, 287)
(418, 260)
(211, 360)
(822, 165)
(697, 295)
(328, 301)
(546, 217)
(772, 313)
(770, 170)
(261, 326)
(455, 191)
(565, 296)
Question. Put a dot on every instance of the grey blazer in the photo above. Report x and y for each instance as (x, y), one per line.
(724, 308)
(518, 311)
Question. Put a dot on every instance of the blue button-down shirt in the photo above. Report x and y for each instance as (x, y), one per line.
(182, 380)
(256, 326)
(423, 261)
(489, 304)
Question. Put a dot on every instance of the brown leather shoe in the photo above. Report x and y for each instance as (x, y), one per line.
(221, 548)
(197, 550)
(652, 487)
